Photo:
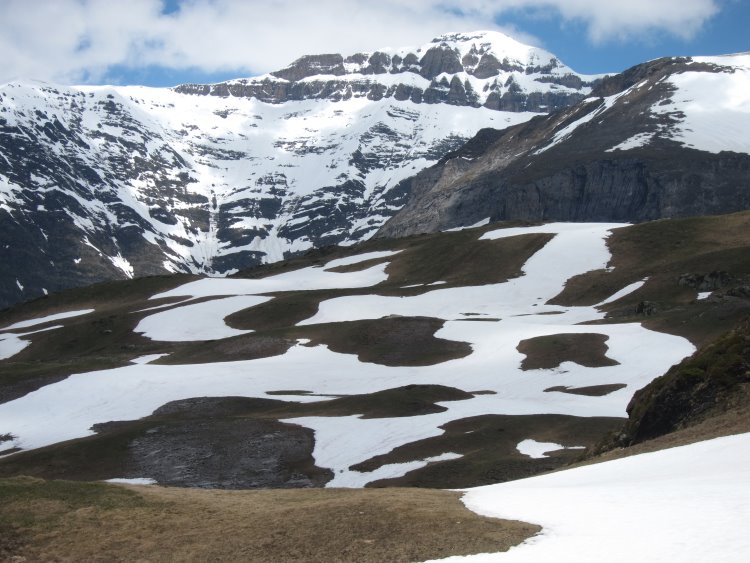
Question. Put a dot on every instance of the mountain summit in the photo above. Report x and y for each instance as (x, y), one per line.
(102, 183)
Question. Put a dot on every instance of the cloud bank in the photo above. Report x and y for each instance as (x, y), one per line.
(71, 41)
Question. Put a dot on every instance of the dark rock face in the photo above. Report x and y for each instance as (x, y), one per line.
(713, 381)
(442, 58)
(311, 65)
(536, 171)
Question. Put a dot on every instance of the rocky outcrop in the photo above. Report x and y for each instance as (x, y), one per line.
(611, 158)
(712, 382)
(438, 72)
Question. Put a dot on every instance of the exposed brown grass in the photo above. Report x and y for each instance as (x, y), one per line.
(547, 352)
(115, 523)
(662, 251)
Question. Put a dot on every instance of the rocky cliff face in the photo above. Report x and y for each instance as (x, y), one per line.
(664, 139)
(464, 69)
(102, 183)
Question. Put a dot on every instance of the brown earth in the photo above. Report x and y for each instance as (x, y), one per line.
(548, 352)
(63, 521)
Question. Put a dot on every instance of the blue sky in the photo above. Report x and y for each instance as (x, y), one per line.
(726, 32)
(167, 42)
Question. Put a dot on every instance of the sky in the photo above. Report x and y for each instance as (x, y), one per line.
(169, 42)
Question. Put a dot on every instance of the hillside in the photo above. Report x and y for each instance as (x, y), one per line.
(665, 139)
(451, 360)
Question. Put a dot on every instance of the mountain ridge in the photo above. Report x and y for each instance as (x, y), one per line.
(110, 182)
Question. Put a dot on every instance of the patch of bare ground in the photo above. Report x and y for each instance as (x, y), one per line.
(390, 341)
(589, 390)
(547, 352)
(64, 521)
(488, 445)
(680, 257)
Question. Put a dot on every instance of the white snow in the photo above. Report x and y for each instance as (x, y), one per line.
(482, 223)
(147, 359)
(538, 450)
(627, 290)
(73, 405)
(198, 321)
(638, 140)
(712, 109)
(704, 295)
(357, 258)
(133, 481)
(10, 345)
(689, 504)
(48, 318)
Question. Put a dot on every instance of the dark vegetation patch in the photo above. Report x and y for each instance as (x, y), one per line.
(242, 347)
(680, 257)
(390, 341)
(547, 352)
(589, 391)
(89, 522)
(489, 447)
(460, 259)
(712, 382)
(224, 442)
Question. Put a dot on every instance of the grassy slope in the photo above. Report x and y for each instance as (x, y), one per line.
(663, 251)
(64, 521)
(42, 520)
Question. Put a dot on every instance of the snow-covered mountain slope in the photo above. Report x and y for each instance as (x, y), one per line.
(668, 138)
(447, 360)
(482, 68)
(111, 182)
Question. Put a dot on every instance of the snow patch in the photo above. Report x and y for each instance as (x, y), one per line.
(539, 450)
(48, 318)
(688, 504)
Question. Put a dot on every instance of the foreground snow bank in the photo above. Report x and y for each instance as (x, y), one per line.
(690, 503)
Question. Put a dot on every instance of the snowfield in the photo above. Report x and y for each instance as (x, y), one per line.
(68, 409)
(686, 504)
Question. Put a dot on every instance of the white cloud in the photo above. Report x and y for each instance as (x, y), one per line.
(75, 40)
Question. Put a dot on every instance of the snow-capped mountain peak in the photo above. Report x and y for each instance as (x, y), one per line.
(106, 181)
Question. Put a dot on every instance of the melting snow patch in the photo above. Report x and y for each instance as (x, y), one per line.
(10, 345)
(639, 140)
(199, 321)
(359, 258)
(538, 450)
(147, 359)
(48, 318)
(704, 294)
(481, 223)
(133, 481)
(122, 264)
(627, 290)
